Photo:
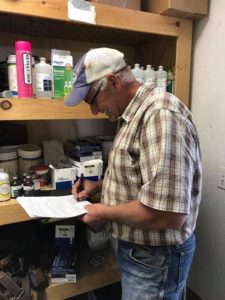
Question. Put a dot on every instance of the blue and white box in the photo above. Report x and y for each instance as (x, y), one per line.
(63, 177)
(92, 169)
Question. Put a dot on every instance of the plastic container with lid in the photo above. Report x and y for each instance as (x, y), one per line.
(29, 155)
(9, 160)
(138, 73)
(24, 69)
(161, 79)
(149, 74)
(4, 186)
(12, 75)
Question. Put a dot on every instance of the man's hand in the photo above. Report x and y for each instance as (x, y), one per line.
(94, 215)
(90, 188)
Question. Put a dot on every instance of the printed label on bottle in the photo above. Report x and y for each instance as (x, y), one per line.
(12, 77)
(27, 68)
(16, 191)
(43, 82)
(4, 190)
(28, 187)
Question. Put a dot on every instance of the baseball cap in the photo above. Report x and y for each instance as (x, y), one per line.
(93, 65)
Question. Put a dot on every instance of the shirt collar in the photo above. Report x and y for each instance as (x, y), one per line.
(141, 94)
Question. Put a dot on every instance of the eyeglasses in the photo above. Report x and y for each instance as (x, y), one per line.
(92, 102)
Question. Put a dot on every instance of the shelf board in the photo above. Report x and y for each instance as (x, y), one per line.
(88, 278)
(45, 109)
(12, 212)
(107, 16)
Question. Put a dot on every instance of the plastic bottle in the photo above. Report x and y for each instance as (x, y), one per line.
(138, 73)
(12, 75)
(24, 69)
(43, 78)
(170, 82)
(16, 187)
(4, 186)
(161, 79)
(149, 74)
(9, 160)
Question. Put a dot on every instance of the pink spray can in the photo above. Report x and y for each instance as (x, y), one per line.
(24, 69)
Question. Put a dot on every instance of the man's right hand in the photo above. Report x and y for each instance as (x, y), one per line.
(90, 188)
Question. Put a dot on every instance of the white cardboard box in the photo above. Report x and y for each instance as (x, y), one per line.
(63, 178)
(91, 169)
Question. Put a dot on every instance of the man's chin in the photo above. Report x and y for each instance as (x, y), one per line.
(112, 118)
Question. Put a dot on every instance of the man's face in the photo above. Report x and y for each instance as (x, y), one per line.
(103, 98)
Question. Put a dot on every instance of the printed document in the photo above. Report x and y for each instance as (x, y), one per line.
(53, 206)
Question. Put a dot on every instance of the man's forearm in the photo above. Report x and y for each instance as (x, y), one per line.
(137, 215)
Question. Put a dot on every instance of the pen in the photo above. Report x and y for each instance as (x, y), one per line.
(81, 186)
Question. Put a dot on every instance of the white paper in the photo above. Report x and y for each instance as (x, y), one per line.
(53, 206)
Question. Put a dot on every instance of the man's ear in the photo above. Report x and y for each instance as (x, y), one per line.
(114, 81)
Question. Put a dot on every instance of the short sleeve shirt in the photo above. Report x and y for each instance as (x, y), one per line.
(156, 159)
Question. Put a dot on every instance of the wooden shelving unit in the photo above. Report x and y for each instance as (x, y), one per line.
(45, 109)
(88, 278)
(152, 38)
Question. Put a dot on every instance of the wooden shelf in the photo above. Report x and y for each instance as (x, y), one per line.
(106, 16)
(12, 212)
(160, 39)
(45, 109)
(88, 278)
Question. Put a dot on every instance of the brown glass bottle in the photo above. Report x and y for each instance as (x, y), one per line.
(28, 186)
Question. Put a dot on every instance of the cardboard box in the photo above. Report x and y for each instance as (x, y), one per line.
(92, 169)
(83, 149)
(63, 178)
(62, 73)
(191, 9)
(132, 4)
(64, 267)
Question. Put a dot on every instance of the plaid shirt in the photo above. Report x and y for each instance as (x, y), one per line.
(156, 159)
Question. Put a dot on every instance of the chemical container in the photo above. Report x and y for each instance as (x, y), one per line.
(12, 75)
(29, 155)
(43, 79)
(161, 79)
(9, 160)
(24, 69)
(4, 186)
(149, 74)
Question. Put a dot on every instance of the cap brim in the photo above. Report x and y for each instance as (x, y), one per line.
(77, 95)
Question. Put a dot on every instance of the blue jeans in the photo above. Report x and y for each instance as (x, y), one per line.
(154, 272)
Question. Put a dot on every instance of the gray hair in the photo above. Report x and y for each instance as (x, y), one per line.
(125, 75)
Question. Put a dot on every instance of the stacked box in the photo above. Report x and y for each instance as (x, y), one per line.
(65, 262)
(91, 169)
(83, 149)
(64, 265)
(63, 177)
